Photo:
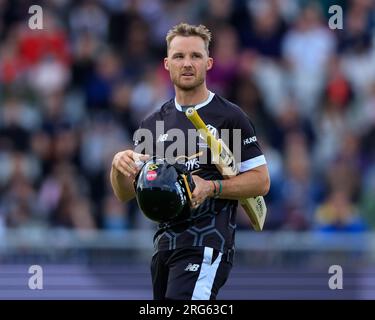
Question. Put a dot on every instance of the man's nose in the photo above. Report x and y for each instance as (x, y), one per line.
(187, 62)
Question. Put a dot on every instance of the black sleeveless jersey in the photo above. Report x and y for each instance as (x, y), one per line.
(168, 133)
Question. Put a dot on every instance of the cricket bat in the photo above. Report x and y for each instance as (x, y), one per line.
(224, 160)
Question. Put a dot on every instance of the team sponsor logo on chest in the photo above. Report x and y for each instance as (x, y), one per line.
(192, 164)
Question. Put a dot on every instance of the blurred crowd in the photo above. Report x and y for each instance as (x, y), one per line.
(72, 94)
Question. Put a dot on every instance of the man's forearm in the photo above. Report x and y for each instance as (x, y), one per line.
(251, 183)
(122, 186)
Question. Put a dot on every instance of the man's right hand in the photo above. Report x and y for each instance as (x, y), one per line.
(126, 162)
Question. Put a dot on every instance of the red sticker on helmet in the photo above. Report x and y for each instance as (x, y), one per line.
(151, 175)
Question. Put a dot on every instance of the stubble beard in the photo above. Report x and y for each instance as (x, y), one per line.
(188, 86)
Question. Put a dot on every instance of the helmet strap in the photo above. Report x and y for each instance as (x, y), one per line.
(187, 186)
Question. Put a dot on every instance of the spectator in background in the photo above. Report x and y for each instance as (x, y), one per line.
(17, 120)
(289, 120)
(225, 52)
(267, 30)
(85, 50)
(11, 65)
(307, 67)
(17, 204)
(151, 90)
(18, 164)
(75, 213)
(338, 214)
(64, 199)
(115, 215)
(334, 118)
(357, 49)
(88, 16)
(108, 72)
(299, 189)
(367, 199)
(122, 109)
(263, 45)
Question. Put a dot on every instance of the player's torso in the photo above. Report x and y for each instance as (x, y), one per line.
(175, 138)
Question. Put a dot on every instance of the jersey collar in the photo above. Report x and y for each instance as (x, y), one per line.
(198, 106)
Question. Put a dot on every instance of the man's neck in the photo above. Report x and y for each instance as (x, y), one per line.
(192, 97)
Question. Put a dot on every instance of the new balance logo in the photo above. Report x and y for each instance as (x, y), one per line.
(163, 137)
(192, 267)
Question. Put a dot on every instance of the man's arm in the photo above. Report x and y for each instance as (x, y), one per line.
(252, 183)
(122, 186)
(123, 172)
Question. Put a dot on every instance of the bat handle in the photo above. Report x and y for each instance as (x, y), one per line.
(189, 112)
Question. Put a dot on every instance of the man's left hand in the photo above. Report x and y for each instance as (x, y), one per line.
(203, 189)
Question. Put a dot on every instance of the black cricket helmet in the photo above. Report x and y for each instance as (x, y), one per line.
(163, 190)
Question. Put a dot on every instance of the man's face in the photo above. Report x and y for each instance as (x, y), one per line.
(187, 62)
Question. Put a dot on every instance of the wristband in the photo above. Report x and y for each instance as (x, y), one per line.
(214, 188)
(220, 189)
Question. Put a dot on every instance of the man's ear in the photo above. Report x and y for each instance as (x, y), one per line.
(166, 64)
(210, 63)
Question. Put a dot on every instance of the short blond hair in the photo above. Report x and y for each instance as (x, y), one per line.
(188, 30)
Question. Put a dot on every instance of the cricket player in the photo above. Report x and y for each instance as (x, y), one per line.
(193, 259)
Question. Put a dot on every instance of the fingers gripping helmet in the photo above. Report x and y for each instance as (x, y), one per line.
(163, 190)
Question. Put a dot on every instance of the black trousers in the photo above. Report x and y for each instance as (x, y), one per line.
(192, 273)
